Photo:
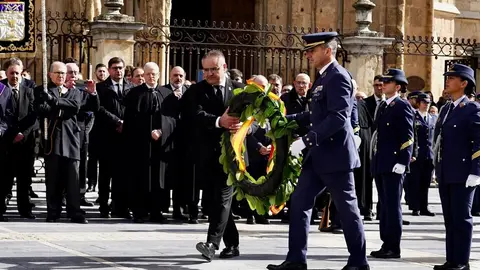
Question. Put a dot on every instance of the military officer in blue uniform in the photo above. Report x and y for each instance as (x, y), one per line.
(421, 166)
(457, 157)
(330, 159)
(392, 151)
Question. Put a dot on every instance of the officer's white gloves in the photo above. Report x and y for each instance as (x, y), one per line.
(358, 141)
(472, 181)
(297, 147)
(399, 168)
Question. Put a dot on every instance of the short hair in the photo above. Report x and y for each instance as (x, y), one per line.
(377, 77)
(12, 62)
(332, 44)
(275, 77)
(235, 73)
(26, 71)
(115, 60)
(70, 60)
(129, 70)
(101, 65)
(135, 69)
(214, 53)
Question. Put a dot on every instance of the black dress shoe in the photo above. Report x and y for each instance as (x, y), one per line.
(28, 215)
(250, 221)
(442, 266)
(476, 214)
(427, 213)
(405, 222)
(347, 267)
(179, 217)
(207, 250)
(79, 220)
(385, 254)
(51, 219)
(331, 229)
(193, 221)
(138, 220)
(288, 266)
(262, 220)
(416, 213)
(158, 218)
(85, 202)
(229, 252)
(458, 267)
(33, 195)
(368, 217)
(236, 217)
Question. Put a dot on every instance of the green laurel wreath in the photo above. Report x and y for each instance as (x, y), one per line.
(272, 190)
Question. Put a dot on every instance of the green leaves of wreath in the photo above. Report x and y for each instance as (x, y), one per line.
(269, 192)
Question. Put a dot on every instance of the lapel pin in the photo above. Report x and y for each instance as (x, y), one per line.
(392, 103)
(462, 104)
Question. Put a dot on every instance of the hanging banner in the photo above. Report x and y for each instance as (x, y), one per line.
(17, 26)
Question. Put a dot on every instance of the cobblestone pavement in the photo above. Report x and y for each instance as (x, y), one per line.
(115, 243)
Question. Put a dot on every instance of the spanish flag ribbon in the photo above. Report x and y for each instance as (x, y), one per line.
(237, 140)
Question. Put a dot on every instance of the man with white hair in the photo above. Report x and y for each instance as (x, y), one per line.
(146, 128)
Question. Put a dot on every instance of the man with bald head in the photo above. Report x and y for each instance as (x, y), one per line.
(60, 106)
(147, 127)
(183, 171)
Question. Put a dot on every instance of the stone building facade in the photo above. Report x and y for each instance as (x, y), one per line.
(393, 18)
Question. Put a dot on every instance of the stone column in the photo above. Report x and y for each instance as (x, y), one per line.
(113, 34)
(365, 48)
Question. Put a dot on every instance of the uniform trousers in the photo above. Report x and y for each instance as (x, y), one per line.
(342, 188)
(457, 206)
(389, 186)
(420, 178)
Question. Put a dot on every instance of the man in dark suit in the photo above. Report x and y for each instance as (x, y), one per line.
(330, 159)
(183, 169)
(20, 138)
(5, 118)
(421, 166)
(392, 151)
(457, 146)
(150, 112)
(85, 121)
(363, 175)
(206, 113)
(28, 83)
(60, 106)
(109, 123)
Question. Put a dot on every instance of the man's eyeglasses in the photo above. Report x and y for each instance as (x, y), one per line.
(214, 69)
(301, 83)
(59, 73)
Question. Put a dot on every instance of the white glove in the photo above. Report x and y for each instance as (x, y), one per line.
(472, 181)
(358, 141)
(399, 168)
(297, 147)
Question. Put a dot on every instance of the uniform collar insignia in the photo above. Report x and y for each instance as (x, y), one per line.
(462, 104)
(324, 74)
(392, 103)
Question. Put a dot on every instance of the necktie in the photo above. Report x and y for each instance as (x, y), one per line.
(218, 92)
(119, 89)
(449, 111)
(15, 94)
(380, 109)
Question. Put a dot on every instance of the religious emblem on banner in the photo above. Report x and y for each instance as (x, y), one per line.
(17, 26)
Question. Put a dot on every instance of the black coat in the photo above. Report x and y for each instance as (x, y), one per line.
(63, 134)
(109, 114)
(145, 111)
(24, 118)
(200, 110)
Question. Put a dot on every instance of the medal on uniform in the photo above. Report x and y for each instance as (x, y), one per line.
(318, 89)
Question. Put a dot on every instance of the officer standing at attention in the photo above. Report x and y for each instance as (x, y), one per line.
(457, 146)
(392, 150)
(330, 159)
(421, 167)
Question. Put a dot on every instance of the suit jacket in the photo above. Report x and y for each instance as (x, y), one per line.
(395, 137)
(111, 111)
(459, 142)
(24, 118)
(200, 109)
(63, 134)
(5, 109)
(330, 139)
(169, 86)
(423, 136)
(294, 104)
(255, 140)
(371, 104)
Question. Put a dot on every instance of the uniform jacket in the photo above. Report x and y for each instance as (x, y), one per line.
(330, 140)
(459, 150)
(394, 140)
(423, 142)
